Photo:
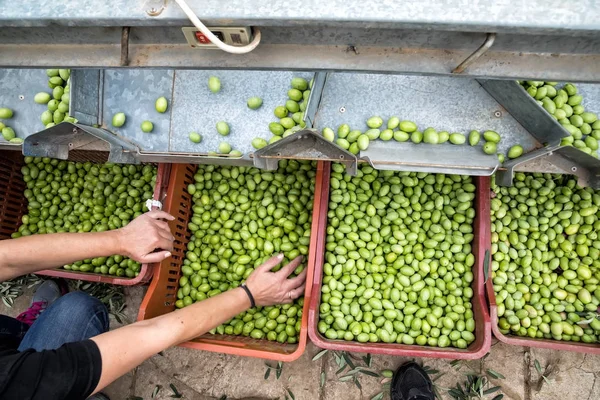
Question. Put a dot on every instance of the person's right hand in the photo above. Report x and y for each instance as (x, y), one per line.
(141, 237)
(269, 288)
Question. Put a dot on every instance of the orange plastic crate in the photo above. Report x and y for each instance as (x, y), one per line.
(482, 342)
(13, 206)
(579, 347)
(162, 292)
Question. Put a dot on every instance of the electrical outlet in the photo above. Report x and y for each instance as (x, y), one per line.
(234, 36)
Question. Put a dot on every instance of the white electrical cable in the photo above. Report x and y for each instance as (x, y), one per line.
(215, 40)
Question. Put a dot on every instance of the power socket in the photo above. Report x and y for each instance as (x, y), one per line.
(234, 36)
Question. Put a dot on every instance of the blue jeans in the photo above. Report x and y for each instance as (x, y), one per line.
(73, 317)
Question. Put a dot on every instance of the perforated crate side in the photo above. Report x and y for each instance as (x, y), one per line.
(12, 201)
(162, 293)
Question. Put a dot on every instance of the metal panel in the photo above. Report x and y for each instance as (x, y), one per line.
(86, 95)
(442, 158)
(192, 106)
(505, 175)
(476, 15)
(17, 89)
(524, 109)
(443, 103)
(396, 49)
(196, 108)
(134, 92)
(576, 162)
(57, 141)
(591, 96)
(307, 144)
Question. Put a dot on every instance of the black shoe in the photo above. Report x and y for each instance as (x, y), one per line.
(411, 382)
(98, 396)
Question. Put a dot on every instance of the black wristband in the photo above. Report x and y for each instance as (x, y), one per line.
(252, 303)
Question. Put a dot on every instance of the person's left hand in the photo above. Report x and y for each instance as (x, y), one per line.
(269, 288)
(140, 238)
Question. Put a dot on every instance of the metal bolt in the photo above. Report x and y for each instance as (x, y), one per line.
(497, 114)
(155, 10)
(74, 130)
(573, 169)
(21, 97)
(342, 109)
(341, 156)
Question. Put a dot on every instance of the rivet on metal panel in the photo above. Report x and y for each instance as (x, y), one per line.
(574, 169)
(497, 114)
(21, 97)
(342, 109)
(489, 41)
(154, 8)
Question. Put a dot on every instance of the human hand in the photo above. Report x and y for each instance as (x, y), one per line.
(269, 288)
(143, 235)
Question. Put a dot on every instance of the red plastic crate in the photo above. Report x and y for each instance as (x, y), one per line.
(13, 206)
(482, 342)
(162, 292)
(578, 347)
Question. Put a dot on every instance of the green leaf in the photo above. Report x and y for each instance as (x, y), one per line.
(291, 394)
(438, 395)
(176, 394)
(368, 360)
(538, 367)
(499, 397)
(267, 373)
(348, 360)
(156, 390)
(346, 378)
(455, 363)
(278, 372)
(357, 383)
(494, 374)
(368, 372)
(322, 379)
(340, 370)
(492, 390)
(378, 396)
(319, 355)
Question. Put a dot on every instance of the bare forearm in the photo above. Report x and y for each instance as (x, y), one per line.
(34, 253)
(157, 334)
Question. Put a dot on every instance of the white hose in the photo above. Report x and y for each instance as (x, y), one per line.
(215, 40)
